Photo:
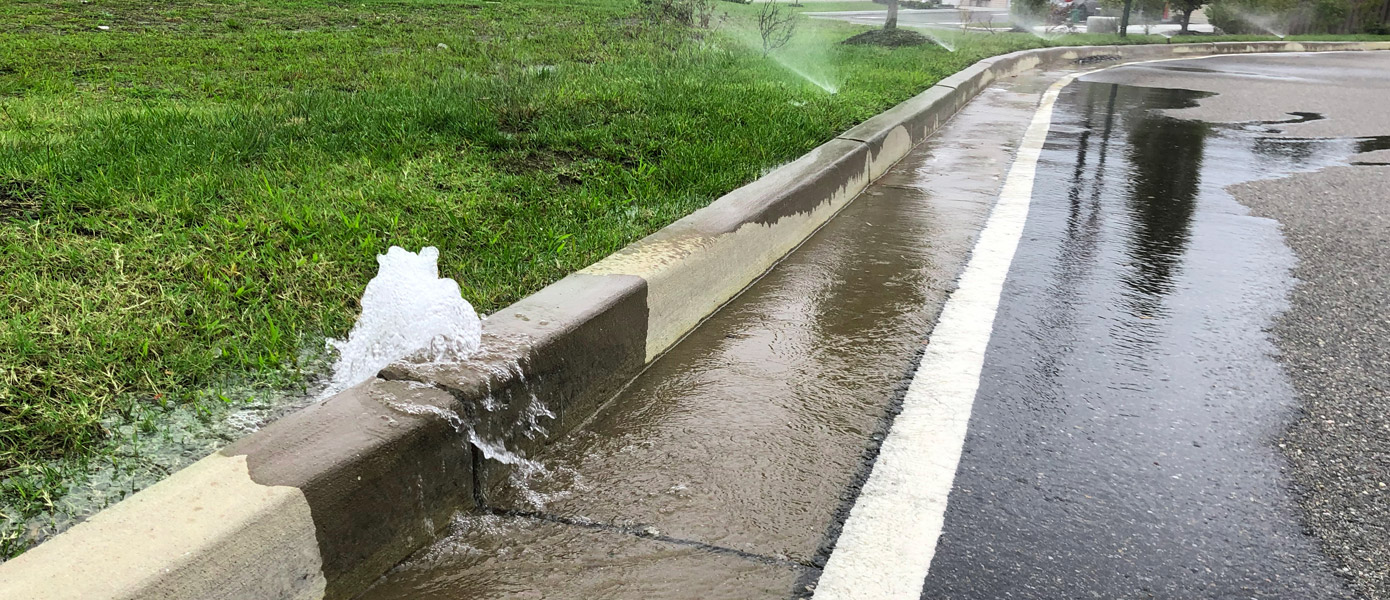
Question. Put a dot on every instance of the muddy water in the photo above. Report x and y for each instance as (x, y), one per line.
(746, 435)
(487, 556)
(735, 452)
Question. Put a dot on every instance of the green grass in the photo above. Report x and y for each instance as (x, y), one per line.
(200, 189)
(198, 192)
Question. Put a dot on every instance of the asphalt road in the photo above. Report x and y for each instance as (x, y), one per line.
(978, 17)
(1332, 338)
(1156, 367)
(934, 17)
(1136, 420)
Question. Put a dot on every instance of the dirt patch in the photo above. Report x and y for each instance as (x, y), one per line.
(891, 38)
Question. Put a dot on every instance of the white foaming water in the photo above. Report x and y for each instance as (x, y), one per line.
(533, 414)
(527, 474)
(496, 451)
(407, 309)
(492, 450)
(449, 415)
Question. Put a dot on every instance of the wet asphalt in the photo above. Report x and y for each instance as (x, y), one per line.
(1120, 442)
(1184, 394)
(1137, 421)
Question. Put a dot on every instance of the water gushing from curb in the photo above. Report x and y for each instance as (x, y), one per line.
(407, 309)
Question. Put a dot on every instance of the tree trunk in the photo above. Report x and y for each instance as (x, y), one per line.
(892, 21)
(1186, 19)
(1124, 19)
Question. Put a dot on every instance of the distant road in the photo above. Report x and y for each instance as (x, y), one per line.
(935, 17)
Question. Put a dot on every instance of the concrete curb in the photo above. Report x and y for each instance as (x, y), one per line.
(321, 503)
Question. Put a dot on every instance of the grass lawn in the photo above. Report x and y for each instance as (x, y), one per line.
(193, 193)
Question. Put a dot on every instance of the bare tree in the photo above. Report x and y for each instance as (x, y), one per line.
(776, 24)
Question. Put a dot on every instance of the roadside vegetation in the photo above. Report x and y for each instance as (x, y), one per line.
(1277, 18)
(192, 194)
(1282, 17)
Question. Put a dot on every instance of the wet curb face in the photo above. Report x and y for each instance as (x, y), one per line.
(322, 502)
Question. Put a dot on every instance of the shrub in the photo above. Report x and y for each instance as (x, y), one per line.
(1297, 16)
(1031, 10)
(690, 13)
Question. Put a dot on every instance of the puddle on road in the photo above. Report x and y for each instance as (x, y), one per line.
(1129, 392)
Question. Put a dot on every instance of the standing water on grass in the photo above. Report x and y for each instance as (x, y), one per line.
(406, 309)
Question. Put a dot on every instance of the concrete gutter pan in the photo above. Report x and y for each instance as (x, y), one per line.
(322, 502)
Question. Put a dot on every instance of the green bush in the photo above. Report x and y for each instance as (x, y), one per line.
(1032, 10)
(1296, 16)
(1329, 15)
(1222, 17)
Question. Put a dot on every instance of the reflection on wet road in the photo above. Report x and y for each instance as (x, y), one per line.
(1120, 441)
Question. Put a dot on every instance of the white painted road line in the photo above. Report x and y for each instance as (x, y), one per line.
(886, 547)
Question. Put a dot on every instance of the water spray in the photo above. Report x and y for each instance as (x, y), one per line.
(806, 66)
(407, 309)
(827, 86)
(1263, 22)
(937, 39)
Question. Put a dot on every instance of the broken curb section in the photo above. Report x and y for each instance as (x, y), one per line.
(322, 502)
